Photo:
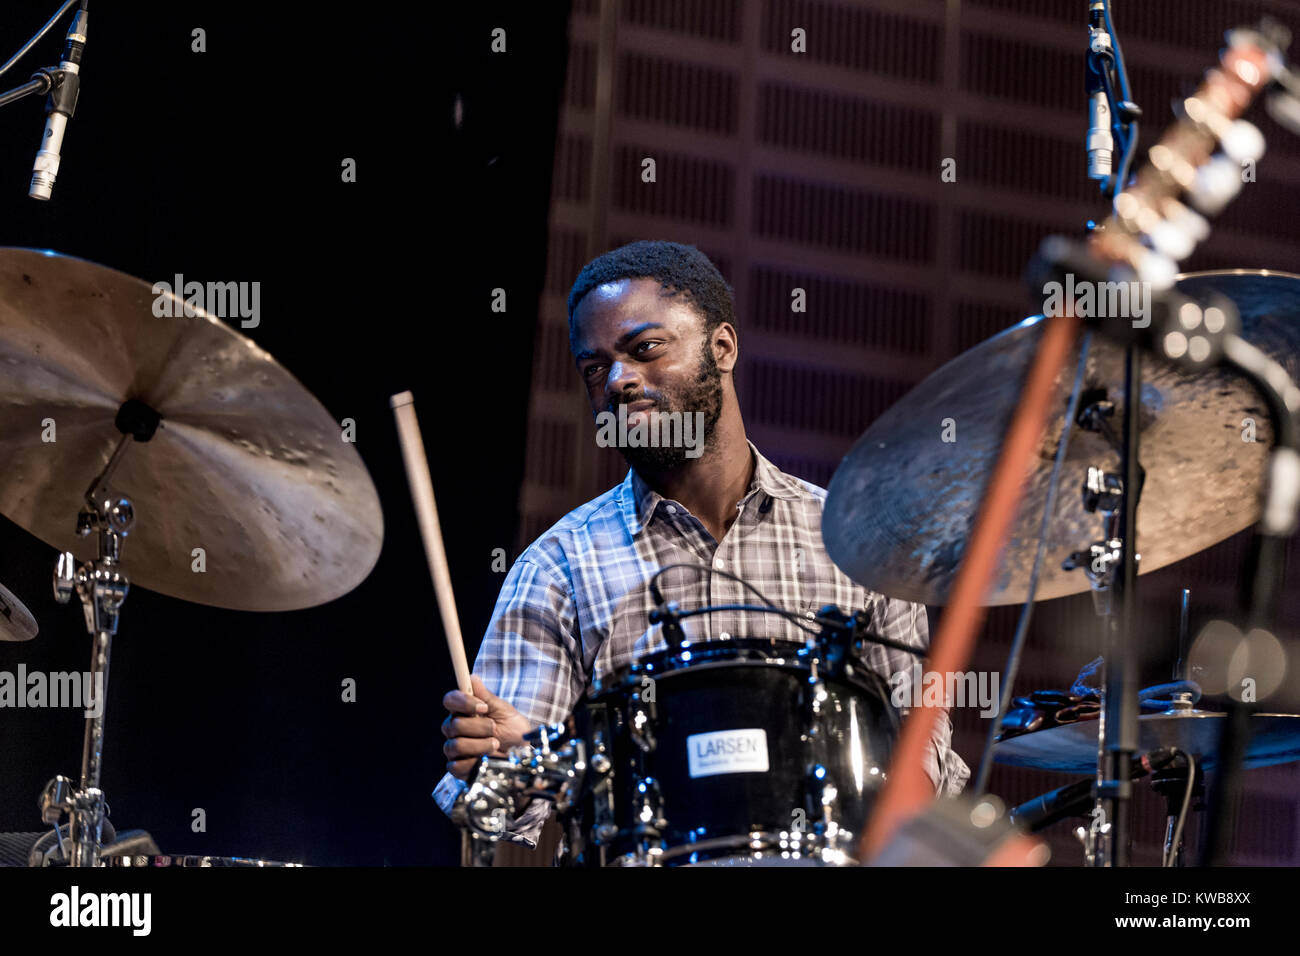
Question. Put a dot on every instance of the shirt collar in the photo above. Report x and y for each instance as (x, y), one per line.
(637, 500)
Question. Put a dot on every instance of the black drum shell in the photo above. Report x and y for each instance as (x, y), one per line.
(745, 684)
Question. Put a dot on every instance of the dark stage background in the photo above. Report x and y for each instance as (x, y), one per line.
(225, 165)
(819, 170)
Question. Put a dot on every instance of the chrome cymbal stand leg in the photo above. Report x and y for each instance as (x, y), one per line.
(102, 586)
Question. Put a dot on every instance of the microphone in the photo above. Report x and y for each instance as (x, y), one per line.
(1100, 143)
(58, 110)
(1071, 799)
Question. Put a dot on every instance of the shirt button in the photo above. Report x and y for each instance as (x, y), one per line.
(671, 509)
(720, 564)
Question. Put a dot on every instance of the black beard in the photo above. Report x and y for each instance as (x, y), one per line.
(704, 394)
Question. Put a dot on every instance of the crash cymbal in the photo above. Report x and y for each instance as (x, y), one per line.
(246, 497)
(16, 622)
(1072, 748)
(903, 502)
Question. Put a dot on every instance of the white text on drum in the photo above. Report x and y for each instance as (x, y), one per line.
(727, 751)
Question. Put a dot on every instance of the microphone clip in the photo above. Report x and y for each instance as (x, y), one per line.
(64, 87)
(668, 613)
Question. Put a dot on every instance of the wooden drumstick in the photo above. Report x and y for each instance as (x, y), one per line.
(426, 510)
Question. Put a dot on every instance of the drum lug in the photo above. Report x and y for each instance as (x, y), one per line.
(600, 761)
(822, 793)
(641, 716)
(651, 824)
(603, 827)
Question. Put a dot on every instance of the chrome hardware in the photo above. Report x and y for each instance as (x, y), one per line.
(640, 719)
(65, 578)
(822, 792)
(102, 586)
(547, 766)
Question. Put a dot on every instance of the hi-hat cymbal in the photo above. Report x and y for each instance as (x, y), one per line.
(247, 496)
(16, 622)
(1072, 748)
(902, 504)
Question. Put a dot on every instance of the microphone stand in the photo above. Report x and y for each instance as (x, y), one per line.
(1118, 728)
(63, 84)
(1263, 580)
(53, 78)
(1120, 695)
(43, 81)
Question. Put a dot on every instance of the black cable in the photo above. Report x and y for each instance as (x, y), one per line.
(44, 30)
(1127, 162)
(1128, 131)
(654, 589)
(770, 608)
(1022, 626)
(1125, 135)
(1120, 72)
(654, 578)
(1187, 802)
(801, 622)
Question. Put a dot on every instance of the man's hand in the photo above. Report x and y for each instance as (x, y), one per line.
(477, 725)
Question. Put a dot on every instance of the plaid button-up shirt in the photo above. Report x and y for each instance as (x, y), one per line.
(576, 604)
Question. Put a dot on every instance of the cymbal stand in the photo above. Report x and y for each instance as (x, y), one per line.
(102, 586)
(1111, 569)
(1171, 783)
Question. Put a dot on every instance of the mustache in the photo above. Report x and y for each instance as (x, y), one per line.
(625, 399)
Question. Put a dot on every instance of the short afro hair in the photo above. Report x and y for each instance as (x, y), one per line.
(679, 269)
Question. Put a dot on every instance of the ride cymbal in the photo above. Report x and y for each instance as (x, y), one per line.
(246, 497)
(903, 503)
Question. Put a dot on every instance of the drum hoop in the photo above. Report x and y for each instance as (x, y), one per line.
(737, 652)
(187, 860)
(769, 842)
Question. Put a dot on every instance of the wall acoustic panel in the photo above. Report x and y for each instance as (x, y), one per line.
(801, 144)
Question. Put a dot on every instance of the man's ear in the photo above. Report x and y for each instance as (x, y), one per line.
(726, 347)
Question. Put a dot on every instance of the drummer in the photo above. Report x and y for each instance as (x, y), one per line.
(652, 329)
